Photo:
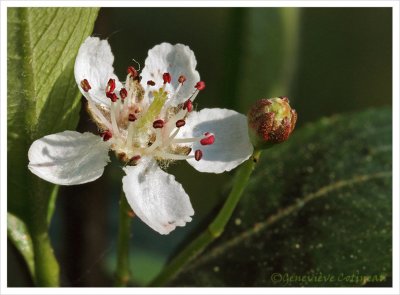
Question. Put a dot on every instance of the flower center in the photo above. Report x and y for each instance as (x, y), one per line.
(140, 123)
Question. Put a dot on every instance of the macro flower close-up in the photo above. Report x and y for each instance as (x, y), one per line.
(148, 121)
(161, 144)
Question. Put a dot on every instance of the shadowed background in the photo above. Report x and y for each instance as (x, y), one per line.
(327, 61)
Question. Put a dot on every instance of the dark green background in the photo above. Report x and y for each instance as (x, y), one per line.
(343, 63)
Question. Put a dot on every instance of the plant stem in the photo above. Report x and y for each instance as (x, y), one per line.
(47, 270)
(46, 265)
(122, 273)
(215, 229)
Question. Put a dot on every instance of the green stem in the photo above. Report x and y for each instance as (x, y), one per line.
(46, 265)
(122, 273)
(47, 270)
(215, 229)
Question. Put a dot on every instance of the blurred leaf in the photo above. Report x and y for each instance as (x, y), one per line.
(264, 62)
(144, 265)
(319, 204)
(42, 98)
(19, 236)
(335, 44)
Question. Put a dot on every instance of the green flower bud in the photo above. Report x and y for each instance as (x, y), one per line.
(271, 121)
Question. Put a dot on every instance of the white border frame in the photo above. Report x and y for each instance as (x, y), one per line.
(236, 3)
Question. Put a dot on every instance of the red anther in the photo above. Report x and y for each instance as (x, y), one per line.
(135, 158)
(132, 71)
(198, 154)
(181, 79)
(110, 86)
(158, 123)
(188, 105)
(123, 93)
(106, 135)
(132, 118)
(151, 83)
(85, 85)
(112, 96)
(207, 134)
(167, 78)
(180, 123)
(208, 140)
(200, 85)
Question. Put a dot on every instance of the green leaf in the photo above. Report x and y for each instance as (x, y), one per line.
(42, 98)
(19, 236)
(262, 54)
(317, 212)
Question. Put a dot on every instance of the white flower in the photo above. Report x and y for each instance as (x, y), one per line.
(147, 121)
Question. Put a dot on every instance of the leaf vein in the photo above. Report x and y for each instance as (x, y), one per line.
(300, 203)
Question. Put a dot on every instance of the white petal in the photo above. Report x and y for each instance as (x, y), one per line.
(94, 62)
(175, 59)
(231, 146)
(156, 197)
(68, 157)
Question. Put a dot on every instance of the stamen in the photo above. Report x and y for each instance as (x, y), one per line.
(172, 136)
(181, 79)
(169, 156)
(136, 158)
(132, 118)
(186, 140)
(172, 121)
(106, 135)
(132, 72)
(110, 86)
(131, 133)
(85, 85)
(151, 83)
(200, 85)
(114, 118)
(207, 140)
(194, 95)
(198, 154)
(123, 93)
(180, 123)
(158, 124)
(112, 96)
(166, 78)
(188, 105)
